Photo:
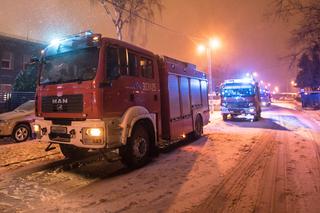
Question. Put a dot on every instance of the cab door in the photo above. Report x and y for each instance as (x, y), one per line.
(120, 83)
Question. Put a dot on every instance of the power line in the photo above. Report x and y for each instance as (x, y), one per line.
(191, 37)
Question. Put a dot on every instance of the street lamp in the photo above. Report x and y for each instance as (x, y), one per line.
(213, 44)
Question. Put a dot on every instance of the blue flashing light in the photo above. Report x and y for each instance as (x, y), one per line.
(55, 42)
(88, 33)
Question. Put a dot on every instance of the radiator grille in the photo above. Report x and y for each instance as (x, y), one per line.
(66, 103)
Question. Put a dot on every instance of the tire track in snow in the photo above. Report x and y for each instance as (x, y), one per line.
(226, 195)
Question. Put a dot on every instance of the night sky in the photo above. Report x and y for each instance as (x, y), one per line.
(250, 42)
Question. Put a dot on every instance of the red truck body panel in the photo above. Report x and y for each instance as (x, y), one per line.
(178, 104)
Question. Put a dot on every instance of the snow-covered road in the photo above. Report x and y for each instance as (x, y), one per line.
(239, 166)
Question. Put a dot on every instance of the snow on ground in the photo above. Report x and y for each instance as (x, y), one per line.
(167, 183)
(237, 165)
(13, 155)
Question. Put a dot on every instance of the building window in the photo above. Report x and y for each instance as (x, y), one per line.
(26, 61)
(7, 61)
(146, 68)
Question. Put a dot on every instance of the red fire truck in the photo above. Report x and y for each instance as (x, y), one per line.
(102, 93)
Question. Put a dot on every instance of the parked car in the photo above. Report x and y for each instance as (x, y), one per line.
(17, 123)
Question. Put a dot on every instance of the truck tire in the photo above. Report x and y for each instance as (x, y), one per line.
(21, 133)
(225, 117)
(136, 153)
(198, 130)
(73, 152)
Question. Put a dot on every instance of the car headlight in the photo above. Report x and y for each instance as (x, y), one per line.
(252, 110)
(251, 104)
(224, 104)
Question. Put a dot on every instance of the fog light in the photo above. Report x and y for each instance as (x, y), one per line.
(94, 132)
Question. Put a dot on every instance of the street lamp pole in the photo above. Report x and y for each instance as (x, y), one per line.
(209, 57)
(213, 44)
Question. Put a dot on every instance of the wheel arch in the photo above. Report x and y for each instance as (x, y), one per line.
(196, 114)
(138, 115)
(24, 123)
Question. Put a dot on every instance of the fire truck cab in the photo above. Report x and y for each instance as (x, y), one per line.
(102, 93)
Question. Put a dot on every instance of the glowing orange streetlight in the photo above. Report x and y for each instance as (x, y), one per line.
(213, 44)
(201, 48)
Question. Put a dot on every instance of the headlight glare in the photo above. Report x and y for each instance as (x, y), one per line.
(36, 128)
(94, 132)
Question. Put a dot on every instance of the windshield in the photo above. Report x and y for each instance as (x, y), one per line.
(80, 65)
(28, 106)
(238, 90)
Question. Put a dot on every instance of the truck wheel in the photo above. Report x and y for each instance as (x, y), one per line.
(225, 117)
(73, 152)
(21, 133)
(198, 130)
(136, 153)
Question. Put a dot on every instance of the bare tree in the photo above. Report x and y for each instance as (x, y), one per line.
(306, 34)
(305, 38)
(130, 13)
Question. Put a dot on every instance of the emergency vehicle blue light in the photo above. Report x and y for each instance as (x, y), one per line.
(87, 33)
(55, 42)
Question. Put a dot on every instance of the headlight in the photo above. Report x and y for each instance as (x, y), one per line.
(36, 128)
(92, 136)
(251, 104)
(223, 104)
(94, 132)
(252, 110)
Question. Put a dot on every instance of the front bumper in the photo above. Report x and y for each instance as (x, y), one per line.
(238, 111)
(73, 134)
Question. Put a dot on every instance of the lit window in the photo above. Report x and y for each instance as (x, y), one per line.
(7, 61)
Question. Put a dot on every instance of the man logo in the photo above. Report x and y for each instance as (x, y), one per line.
(60, 101)
(59, 107)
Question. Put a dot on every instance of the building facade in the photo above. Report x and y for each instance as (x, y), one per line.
(15, 54)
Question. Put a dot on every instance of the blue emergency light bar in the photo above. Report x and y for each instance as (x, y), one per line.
(240, 81)
(72, 42)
